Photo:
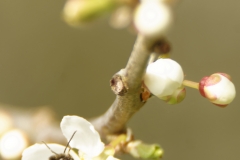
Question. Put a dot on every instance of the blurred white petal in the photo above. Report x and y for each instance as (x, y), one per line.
(86, 139)
(12, 144)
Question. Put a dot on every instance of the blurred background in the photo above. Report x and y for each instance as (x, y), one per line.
(45, 62)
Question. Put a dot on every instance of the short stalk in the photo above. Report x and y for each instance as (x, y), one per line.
(191, 84)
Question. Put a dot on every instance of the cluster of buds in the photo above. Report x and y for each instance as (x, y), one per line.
(164, 79)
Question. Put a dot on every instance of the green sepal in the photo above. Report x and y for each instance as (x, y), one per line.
(146, 151)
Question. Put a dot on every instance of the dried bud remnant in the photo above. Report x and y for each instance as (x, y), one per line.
(117, 85)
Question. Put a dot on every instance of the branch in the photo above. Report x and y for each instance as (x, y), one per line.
(126, 84)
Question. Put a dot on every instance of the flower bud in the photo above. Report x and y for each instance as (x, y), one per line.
(218, 89)
(145, 151)
(177, 96)
(163, 77)
(76, 12)
(152, 18)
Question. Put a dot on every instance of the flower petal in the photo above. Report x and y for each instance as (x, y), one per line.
(86, 139)
(40, 152)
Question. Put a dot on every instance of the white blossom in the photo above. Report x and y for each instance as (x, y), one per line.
(86, 139)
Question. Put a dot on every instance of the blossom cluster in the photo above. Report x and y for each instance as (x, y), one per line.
(80, 134)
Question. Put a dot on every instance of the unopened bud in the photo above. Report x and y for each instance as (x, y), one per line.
(163, 77)
(76, 12)
(153, 18)
(145, 151)
(218, 89)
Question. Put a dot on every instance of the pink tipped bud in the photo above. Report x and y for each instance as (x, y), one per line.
(218, 89)
(177, 96)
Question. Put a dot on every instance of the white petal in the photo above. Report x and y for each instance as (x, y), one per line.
(41, 152)
(12, 144)
(86, 139)
(163, 77)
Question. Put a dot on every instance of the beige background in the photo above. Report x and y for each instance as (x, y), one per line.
(43, 61)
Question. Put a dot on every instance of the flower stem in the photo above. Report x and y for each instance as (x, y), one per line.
(191, 84)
